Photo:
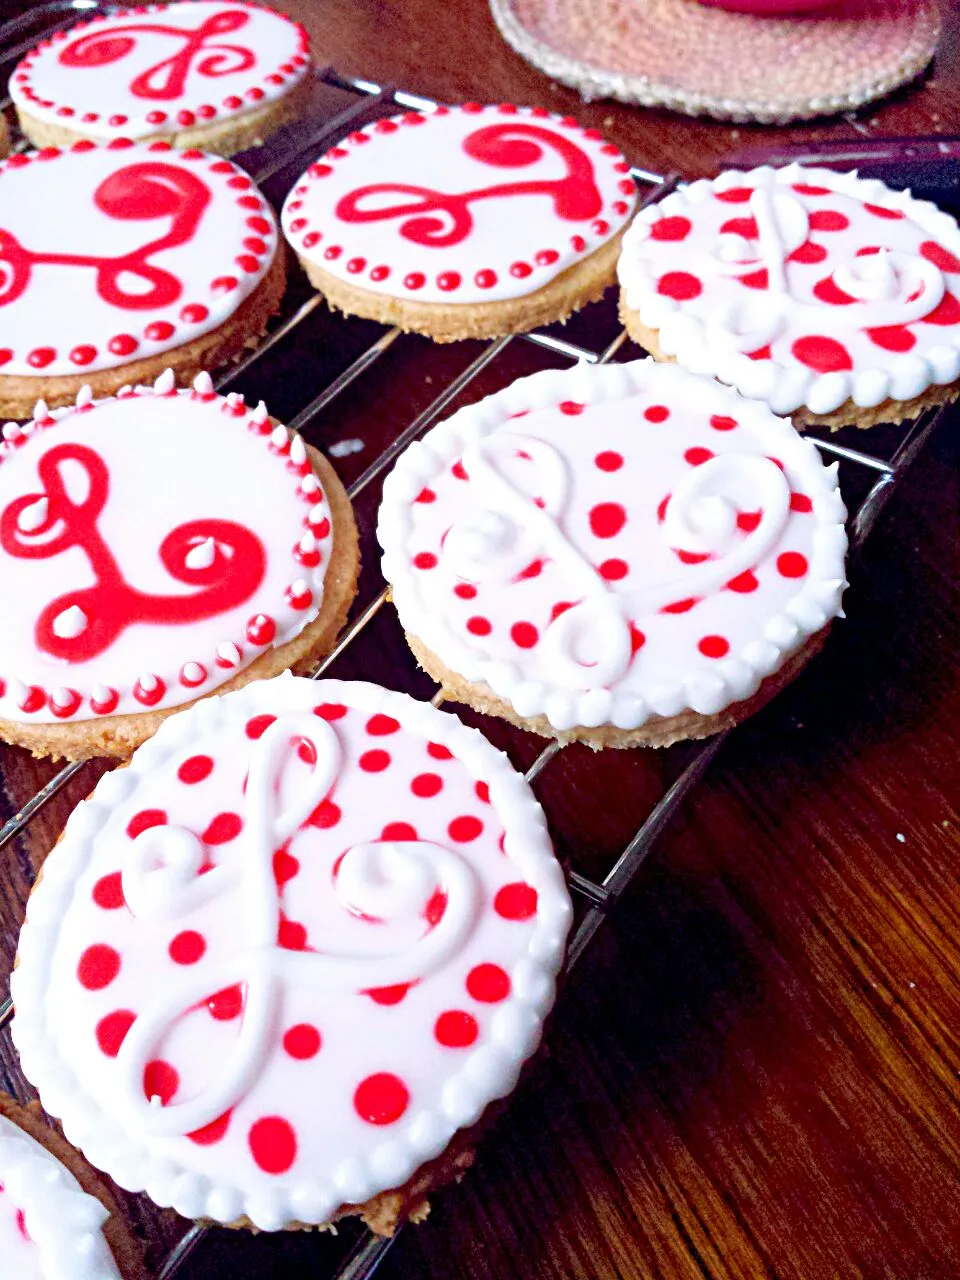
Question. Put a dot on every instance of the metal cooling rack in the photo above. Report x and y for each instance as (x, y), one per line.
(278, 164)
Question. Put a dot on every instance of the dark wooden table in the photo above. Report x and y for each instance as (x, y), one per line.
(756, 1069)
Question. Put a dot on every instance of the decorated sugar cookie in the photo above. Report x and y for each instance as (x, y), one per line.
(156, 548)
(831, 298)
(626, 554)
(58, 1219)
(278, 967)
(470, 222)
(217, 76)
(119, 261)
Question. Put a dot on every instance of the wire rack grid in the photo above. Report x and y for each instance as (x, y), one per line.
(275, 167)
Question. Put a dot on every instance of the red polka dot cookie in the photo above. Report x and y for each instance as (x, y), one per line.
(278, 967)
(471, 222)
(58, 1218)
(168, 260)
(831, 298)
(627, 554)
(156, 548)
(216, 76)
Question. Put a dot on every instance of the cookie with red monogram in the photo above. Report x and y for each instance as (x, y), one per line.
(625, 554)
(155, 548)
(301, 892)
(58, 1218)
(470, 222)
(831, 298)
(120, 261)
(201, 74)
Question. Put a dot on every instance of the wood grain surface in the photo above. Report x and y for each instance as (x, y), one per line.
(755, 1070)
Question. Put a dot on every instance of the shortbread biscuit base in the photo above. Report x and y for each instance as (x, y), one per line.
(658, 731)
(584, 282)
(848, 415)
(120, 735)
(213, 350)
(124, 1245)
(222, 138)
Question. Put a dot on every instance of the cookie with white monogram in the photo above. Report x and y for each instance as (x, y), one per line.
(470, 222)
(120, 261)
(220, 76)
(625, 555)
(155, 548)
(303, 892)
(58, 1218)
(832, 298)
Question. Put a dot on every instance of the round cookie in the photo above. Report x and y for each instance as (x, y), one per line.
(211, 75)
(58, 1218)
(624, 555)
(156, 548)
(831, 298)
(302, 892)
(168, 260)
(471, 222)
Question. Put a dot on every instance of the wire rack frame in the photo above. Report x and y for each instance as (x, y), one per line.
(598, 896)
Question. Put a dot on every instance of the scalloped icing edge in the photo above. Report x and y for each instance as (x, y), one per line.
(731, 679)
(487, 1073)
(786, 388)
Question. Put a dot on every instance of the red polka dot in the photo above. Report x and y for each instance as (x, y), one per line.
(438, 751)
(637, 639)
(458, 471)
(747, 521)
(478, 626)
(734, 195)
(227, 1004)
(828, 220)
(145, 819)
(379, 725)
(892, 337)
(374, 761)
(570, 407)
(389, 995)
(195, 769)
(697, 457)
(939, 256)
(679, 285)
(714, 647)
(426, 785)
(756, 279)
(330, 711)
(609, 460)
(825, 355)
(680, 606)
(804, 190)
(285, 867)
(792, 564)
(425, 560)
(465, 828)
(465, 590)
(211, 1133)
(721, 423)
(808, 253)
(224, 828)
(273, 1144)
(827, 291)
(613, 570)
(381, 1098)
(744, 582)
(426, 495)
(187, 947)
(112, 1030)
(800, 502)
(761, 353)
(524, 635)
(302, 1041)
(488, 983)
(516, 901)
(745, 227)
(456, 1029)
(291, 935)
(108, 891)
(398, 831)
(325, 815)
(607, 519)
(947, 311)
(879, 212)
(670, 229)
(259, 725)
(98, 966)
(483, 792)
(160, 1080)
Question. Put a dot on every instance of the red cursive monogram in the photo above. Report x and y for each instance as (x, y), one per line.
(140, 191)
(505, 146)
(166, 80)
(112, 605)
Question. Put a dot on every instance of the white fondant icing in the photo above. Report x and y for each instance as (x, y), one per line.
(188, 231)
(860, 299)
(464, 205)
(162, 69)
(579, 562)
(392, 881)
